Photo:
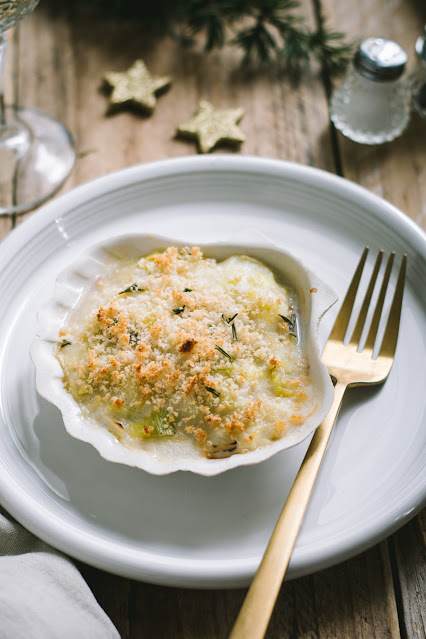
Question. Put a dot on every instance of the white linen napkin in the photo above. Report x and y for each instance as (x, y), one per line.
(42, 594)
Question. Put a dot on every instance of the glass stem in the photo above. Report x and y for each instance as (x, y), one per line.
(3, 49)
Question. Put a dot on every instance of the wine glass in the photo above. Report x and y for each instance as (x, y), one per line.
(36, 151)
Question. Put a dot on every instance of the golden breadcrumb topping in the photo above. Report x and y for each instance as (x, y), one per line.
(176, 345)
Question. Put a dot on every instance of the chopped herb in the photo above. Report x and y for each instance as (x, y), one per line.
(187, 290)
(131, 289)
(115, 321)
(234, 333)
(64, 343)
(291, 323)
(176, 311)
(218, 348)
(213, 391)
(228, 320)
(134, 337)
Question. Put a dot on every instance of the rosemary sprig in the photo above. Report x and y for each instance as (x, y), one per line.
(228, 320)
(131, 289)
(213, 391)
(218, 348)
(234, 333)
(286, 319)
(291, 323)
(176, 311)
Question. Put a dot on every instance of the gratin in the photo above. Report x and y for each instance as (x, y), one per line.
(182, 347)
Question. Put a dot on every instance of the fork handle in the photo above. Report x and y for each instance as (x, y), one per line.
(253, 618)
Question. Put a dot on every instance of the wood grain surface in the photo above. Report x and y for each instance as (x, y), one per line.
(57, 57)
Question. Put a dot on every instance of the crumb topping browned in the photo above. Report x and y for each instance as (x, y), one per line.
(177, 345)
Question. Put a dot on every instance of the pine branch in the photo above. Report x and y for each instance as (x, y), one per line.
(274, 33)
(266, 31)
(329, 47)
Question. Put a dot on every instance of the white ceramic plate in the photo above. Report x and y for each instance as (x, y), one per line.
(183, 529)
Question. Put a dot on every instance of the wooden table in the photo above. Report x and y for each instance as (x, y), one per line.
(56, 60)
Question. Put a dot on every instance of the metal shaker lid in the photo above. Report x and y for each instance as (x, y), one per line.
(380, 59)
(421, 46)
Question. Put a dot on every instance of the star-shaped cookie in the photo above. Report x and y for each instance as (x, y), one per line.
(210, 126)
(135, 87)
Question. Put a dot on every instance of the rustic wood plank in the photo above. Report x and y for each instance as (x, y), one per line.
(395, 171)
(6, 221)
(409, 548)
(358, 589)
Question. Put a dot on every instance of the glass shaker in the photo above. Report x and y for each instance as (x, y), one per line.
(418, 79)
(372, 105)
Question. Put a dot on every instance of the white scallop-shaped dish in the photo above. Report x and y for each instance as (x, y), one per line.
(168, 456)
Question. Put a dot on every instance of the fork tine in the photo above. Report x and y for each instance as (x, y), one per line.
(372, 333)
(342, 320)
(390, 337)
(356, 336)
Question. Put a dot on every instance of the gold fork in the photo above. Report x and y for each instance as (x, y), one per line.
(351, 364)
